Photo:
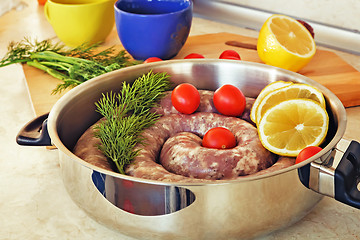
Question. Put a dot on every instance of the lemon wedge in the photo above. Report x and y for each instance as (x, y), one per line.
(269, 88)
(296, 90)
(292, 125)
(286, 43)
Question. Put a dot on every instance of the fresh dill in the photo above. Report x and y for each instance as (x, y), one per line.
(126, 114)
(20, 52)
(73, 66)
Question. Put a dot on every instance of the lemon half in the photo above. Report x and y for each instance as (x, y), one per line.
(284, 42)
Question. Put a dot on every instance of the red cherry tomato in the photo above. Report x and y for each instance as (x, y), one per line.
(194, 55)
(42, 2)
(308, 27)
(307, 153)
(230, 54)
(152, 59)
(229, 100)
(185, 98)
(219, 138)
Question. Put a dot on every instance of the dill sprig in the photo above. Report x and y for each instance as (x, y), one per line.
(20, 52)
(73, 66)
(126, 114)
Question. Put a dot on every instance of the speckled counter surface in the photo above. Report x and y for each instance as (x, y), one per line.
(33, 201)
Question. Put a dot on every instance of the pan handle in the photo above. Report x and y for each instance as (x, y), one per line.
(347, 176)
(35, 133)
(337, 175)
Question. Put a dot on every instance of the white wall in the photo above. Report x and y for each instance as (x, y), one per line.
(340, 13)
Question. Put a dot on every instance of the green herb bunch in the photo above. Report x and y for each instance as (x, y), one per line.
(73, 66)
(127, 114)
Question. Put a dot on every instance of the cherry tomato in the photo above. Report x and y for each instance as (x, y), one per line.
(229, 100)
(185, 98)
(42, 2)
(308, 27)
(152, 59)
(307, 153)
(219, 138)
(230, 54)
(194, 55)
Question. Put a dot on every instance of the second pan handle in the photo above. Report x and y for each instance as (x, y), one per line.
(337, 175)
(35, 133)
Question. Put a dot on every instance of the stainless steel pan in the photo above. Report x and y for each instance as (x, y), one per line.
(234, 209)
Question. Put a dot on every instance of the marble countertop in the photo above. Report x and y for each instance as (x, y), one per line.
(33, 201)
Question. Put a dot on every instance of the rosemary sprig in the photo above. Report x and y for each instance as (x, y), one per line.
(72, 66)
(126, 114)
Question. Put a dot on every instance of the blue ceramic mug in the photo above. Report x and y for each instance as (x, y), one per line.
(156, 28)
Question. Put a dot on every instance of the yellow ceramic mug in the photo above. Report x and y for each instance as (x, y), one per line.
(77, 22)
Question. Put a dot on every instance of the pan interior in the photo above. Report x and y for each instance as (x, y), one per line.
(75, 111)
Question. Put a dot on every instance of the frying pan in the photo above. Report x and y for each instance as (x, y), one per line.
(233, 209)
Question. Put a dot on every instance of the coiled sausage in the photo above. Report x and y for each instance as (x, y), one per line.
(172, 150)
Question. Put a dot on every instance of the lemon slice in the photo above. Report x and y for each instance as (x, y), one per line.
(284, 42)
(292, 125)
(292, 91)
(269, 88)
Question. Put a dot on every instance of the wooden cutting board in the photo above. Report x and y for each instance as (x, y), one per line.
(326, 67)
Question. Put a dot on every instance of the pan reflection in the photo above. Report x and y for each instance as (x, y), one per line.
(142, 199)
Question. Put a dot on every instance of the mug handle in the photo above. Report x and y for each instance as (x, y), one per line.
(46, 12)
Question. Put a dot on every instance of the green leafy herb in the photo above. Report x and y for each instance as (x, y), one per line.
(127, 114)
(20, 52)
(72, 66)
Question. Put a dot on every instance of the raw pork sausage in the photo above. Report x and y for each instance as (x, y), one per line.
(183, 154)
(172, 150)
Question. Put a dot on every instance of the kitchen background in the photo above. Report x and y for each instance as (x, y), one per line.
(7, 5)
(339, 13)
(336, 23)
(34, 205)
